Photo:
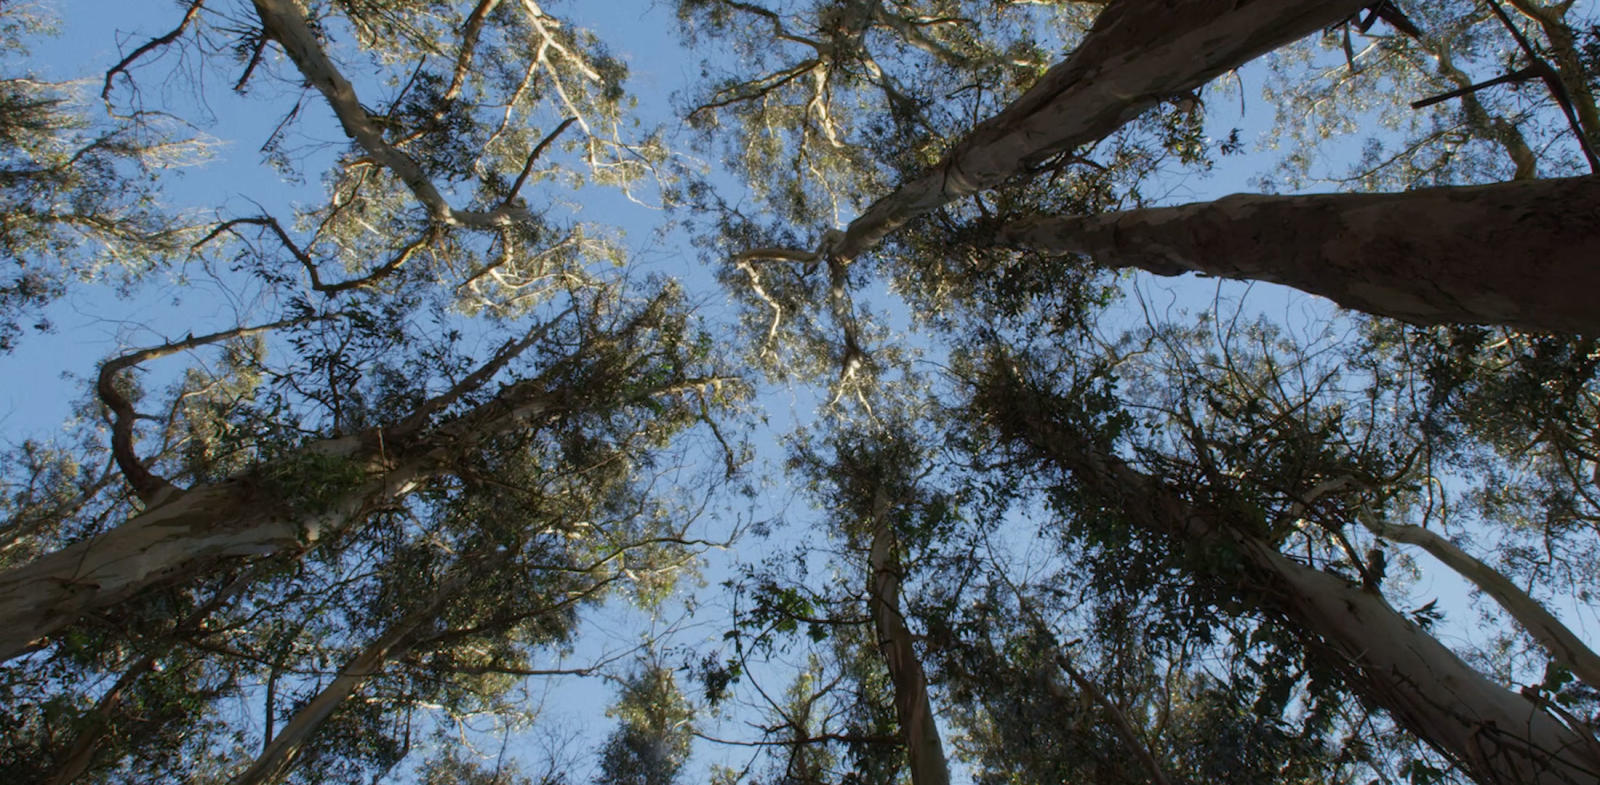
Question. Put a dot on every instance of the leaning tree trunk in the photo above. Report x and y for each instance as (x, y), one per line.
(924, 751)
(1521, 254)
(1139, 53)
(1496, 735)
(187, 534)
(184, 536)
(278, 758)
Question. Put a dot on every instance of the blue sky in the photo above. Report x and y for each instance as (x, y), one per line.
(91, 323)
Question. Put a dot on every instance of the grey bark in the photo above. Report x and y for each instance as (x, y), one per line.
(1139, 53)
(1524, 254)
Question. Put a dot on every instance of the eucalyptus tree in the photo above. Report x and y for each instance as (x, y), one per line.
(654, 731)
(1271, 477)
(1384, 256)
(858, 707)
(1136, 56)
(382, 504)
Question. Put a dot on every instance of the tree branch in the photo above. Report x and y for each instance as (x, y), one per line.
(1560, 642)
(150, 488)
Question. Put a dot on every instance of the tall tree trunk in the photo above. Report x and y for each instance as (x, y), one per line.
(924, 751)
(1139, 53)
(1496, 735)
(1521, 254)
(282, 751)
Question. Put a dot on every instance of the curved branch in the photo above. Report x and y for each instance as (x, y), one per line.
(377, 274)
(155, 43)
(1561, 643)
(285, 22)
(150, 488)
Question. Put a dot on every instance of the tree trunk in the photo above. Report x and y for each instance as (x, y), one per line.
(1520, 254)
(1561, 643)
(1496, 735)
(1139, 53)
(181, 537)
(192, 531)
(924, 751)
(281, 752)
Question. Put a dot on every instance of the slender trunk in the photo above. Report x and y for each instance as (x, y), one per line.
(1119, 720)
(96, 726)
(1569, 62)
(1139, 53)
(1520, 254)
(1563, 645)
(281, 753)
(1496, 735)
(912, 707)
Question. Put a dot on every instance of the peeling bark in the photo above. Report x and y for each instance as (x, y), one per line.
(1520, 254)
(1496, 735)
(918, 730)
(1139, 53)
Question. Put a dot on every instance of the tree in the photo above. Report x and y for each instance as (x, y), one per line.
(373, 512)
(1042, 123)
(653, 734)
(74, 192)
(435, 435)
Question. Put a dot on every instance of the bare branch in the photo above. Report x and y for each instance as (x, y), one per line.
(155, 43)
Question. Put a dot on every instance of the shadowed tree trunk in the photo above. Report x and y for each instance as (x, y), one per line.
(1139, 53)
(1520, 254)
(1496, 735)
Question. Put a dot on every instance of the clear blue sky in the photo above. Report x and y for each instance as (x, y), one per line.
(90, 323)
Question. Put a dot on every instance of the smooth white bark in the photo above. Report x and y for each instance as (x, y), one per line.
(186, 534)
(284, 21)
(1558, 640)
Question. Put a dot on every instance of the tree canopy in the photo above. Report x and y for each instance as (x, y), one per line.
(891, 398)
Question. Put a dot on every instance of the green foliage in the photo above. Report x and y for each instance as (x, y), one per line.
(653, 734)
(1065, 505)
(310, 482)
